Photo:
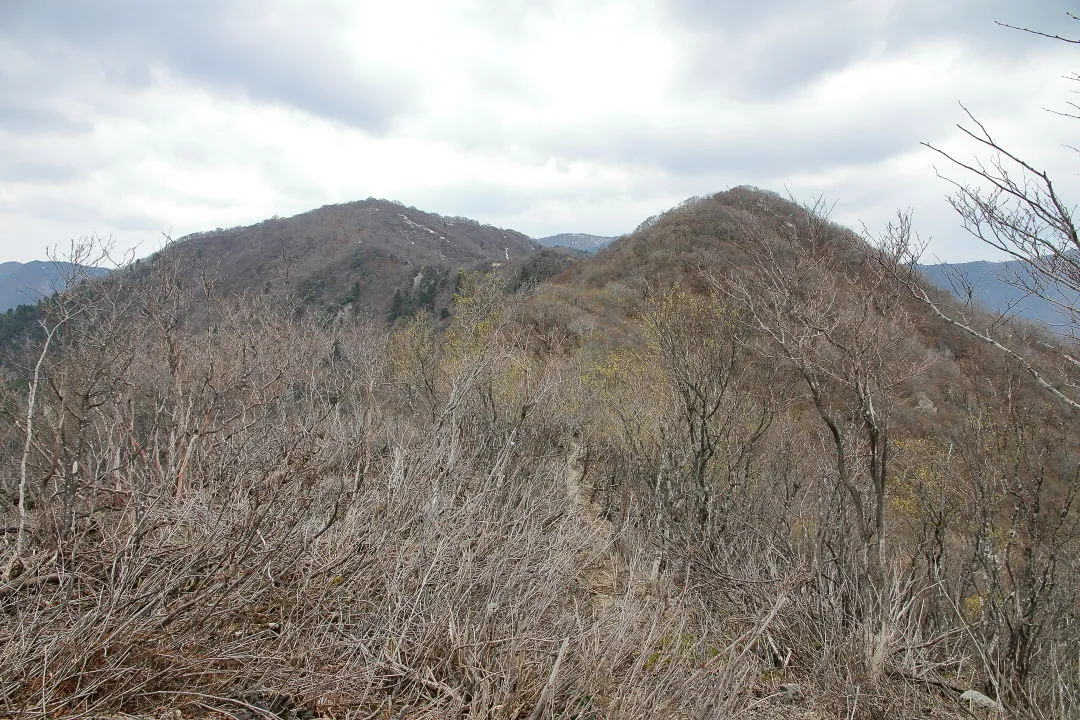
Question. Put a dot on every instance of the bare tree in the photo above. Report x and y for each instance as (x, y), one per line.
(61, 310)
(843, 330)
(699, 349)
(1009, 204)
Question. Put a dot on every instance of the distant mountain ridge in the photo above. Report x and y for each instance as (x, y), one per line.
(578, 241)
(992, 291)
(26, 283)
(385, 256)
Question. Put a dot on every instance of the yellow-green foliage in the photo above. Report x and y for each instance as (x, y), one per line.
(412, 350)
(973, 608)
(626, 394)
(687, 332)
(924, 486)
(479, 310)
(687, 649)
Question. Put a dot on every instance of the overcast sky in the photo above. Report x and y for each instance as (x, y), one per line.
(134, 118)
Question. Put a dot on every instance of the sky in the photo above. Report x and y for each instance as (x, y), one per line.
(136, 120)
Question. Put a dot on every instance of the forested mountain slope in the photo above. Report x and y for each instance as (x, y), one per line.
(578, 241)
(729, 466)
(358, 254)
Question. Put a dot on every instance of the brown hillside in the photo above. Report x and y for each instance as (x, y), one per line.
(356, 254)
(729, 467)
(717, 239)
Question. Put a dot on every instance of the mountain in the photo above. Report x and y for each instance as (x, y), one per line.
(727, 466)
(26, 283)
(994, 289)
(578, 241)
(374, 255)
(750, 245)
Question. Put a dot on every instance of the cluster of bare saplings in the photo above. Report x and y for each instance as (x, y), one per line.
(768, 499)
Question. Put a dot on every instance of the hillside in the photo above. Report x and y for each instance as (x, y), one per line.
(746, 244)
(373, 255)
(26, 283)
(727, 466)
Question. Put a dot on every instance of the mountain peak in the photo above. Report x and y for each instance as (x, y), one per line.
(366, 254)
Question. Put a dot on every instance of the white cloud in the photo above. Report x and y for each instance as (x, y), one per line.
(543, 115)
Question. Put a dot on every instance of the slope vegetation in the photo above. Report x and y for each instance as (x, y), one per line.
(727, 467)
(358, 254)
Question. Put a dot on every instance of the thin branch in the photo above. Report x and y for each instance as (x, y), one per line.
(1040, 33)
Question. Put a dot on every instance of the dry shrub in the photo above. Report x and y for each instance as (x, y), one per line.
(271, 513)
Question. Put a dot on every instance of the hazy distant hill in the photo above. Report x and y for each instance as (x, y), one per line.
(25, 283)
(578, 241)
(993, 292)
(376, 255)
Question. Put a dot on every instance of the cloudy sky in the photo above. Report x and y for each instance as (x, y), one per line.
(133, 118)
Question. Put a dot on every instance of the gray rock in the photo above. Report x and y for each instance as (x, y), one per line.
(976, 699)
(789, 693)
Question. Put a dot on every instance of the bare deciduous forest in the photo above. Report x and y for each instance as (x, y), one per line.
(732, 466)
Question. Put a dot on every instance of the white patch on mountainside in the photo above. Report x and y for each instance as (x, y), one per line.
(578, 241)
(418, 226)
